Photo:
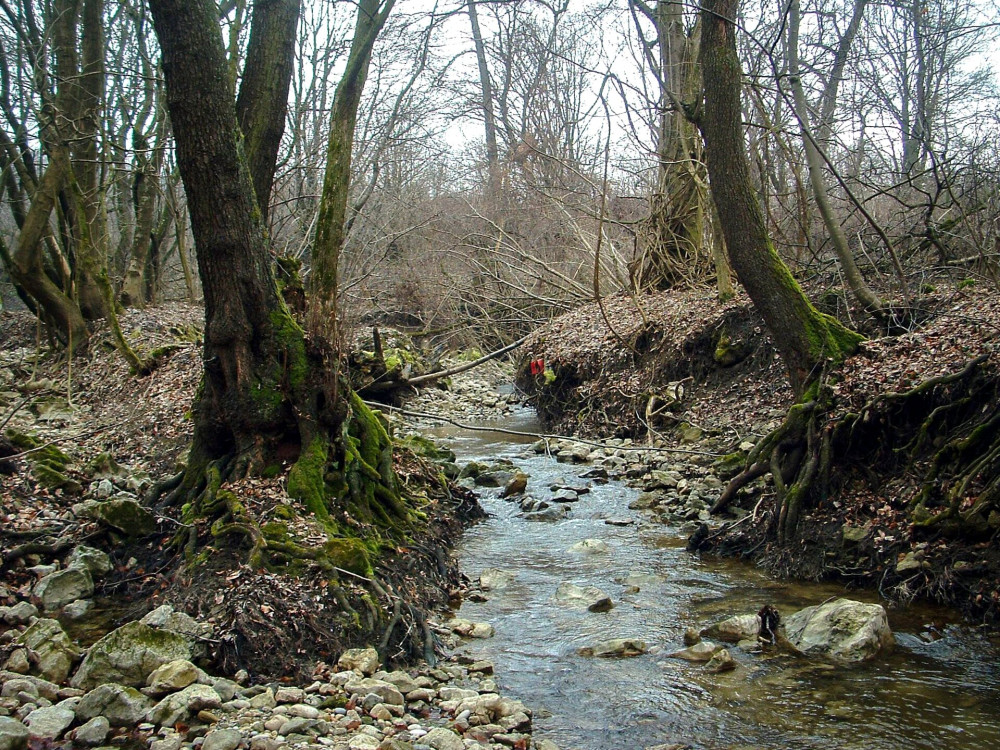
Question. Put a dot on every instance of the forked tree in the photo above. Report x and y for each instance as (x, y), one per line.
(270, 391)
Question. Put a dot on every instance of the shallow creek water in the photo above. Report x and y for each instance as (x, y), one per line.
(939, 689)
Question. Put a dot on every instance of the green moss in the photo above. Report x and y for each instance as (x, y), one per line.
(729, 465)
(727, 352)
(306, 478)
(293, 343)
(333, 701)
(348, 554)
(275, 530)
(103, 465)
(284, 512)
(966, 283)
(22, 440)
(549, 375)
(51, 477)
(470, 355)
(427, 448)
(271, 471)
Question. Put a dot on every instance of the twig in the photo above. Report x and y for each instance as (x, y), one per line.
(14, 411)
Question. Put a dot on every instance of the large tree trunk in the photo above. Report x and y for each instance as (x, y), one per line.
(806, 338)
(250, 340)
(27, 263)
(89, 227)
(266, 395)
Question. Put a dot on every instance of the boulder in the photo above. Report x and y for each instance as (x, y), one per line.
(589, 547)
(188, 702)
(55, 650)
(616, 647)
(589, 597)
(701, 651)
(222, 739)
(565, 495)
(121, 706)
(49, 722)
(721, 661)
(166, 617)
(172, 676)
(14, 683)
(124, 514)
(20, 614)
(94, 560)
(386, 691)
(58, 589)
(363, 660)
(402, 681)
(843, 629)
(77, 610)
(13, 734)
(494, 579)
(734, 629)
(516, 486)
(129, 655)
(93, 733)
(441, 738)
(553, 513)
(471, 629)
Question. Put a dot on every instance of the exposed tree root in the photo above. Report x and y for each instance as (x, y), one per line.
(929, 459)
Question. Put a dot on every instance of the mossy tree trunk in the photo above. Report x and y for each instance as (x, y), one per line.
(48, 281)
(93, 287)
(330, 225)
(265, 393)
(808, 341)
(806, 338)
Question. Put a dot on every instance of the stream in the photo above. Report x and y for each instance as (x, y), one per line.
(940, 688)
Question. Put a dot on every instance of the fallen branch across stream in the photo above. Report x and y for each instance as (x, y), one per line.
(539, 435)
(466, 366)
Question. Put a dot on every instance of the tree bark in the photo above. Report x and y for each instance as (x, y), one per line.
(248, 339)
(263, 99)
(806, 338)
(27, 267)
(266, 395)
(89, 228)
(322, 313)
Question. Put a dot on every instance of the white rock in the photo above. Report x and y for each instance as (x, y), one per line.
(843, 629)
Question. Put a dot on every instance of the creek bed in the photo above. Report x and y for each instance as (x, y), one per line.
(939, 688)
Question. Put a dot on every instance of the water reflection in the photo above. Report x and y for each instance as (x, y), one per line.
(939, 689)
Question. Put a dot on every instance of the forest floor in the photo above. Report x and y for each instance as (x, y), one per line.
(107, 432)
(678, 370)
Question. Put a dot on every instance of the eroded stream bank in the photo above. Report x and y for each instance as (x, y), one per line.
(939, 688)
